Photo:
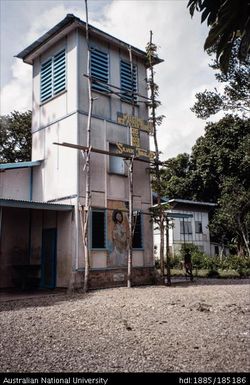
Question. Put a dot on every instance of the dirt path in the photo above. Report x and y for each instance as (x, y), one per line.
(198, 327)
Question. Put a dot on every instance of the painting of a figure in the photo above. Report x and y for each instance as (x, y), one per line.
(120, 240)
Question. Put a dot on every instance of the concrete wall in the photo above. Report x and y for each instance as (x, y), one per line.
(60, 176)
(16, 184)
(21, 242)
(57, 176)
(14, 244)
(107, 106)
(48, 112)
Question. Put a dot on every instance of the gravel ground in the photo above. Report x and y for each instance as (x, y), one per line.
(187, 327)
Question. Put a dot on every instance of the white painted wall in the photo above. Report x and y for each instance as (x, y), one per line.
(176, 239)
(15, 184)
(57, 177)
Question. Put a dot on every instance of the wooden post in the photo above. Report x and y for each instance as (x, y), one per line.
(167, 253)
(84, 225)
(131, 167)
(157, 169)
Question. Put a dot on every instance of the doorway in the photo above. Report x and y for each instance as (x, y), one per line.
(48, 259)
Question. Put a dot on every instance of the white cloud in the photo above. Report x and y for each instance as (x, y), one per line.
(16, 95)
(185, 67)
(184, 72)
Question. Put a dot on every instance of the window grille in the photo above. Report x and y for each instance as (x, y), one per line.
(186, 227)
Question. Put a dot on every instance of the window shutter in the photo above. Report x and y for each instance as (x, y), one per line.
(99, 69)
(128, 85)
(59, 72)
(46, 80)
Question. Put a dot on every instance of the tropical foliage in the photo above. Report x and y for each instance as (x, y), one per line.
(228, 20)
(15, 137)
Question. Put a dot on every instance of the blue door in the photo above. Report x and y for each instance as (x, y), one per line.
(48, 260)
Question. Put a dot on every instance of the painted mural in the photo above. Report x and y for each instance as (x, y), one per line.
(118, 235)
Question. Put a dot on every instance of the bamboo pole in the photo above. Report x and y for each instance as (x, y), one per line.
(167, 253)
(157, 169)
(84, 225)
(131, 167)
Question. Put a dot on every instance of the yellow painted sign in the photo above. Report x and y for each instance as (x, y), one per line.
(135, 122)
(135, 137)
(125, 149)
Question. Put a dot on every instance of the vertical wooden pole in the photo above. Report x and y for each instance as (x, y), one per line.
(157, 169)
(131, 167)
(130, 251)
(167, 253)
(84, 226)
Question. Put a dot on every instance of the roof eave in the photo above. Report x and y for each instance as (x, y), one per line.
(61, 29)
(11, 166)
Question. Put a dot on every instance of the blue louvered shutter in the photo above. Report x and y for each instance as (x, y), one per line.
(99, 69)
(128, 84)
(46, 80)
(59, 72)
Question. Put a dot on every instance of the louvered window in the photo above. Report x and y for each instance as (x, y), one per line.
(128, 83)
(137, 238)
(59, 73)
(53, 76)
(46, 80)
(98, 229)
(99, 64)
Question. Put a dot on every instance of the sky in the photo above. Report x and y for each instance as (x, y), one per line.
(179, 38)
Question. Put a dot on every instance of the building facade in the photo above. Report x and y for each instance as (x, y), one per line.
(189, 222)
(41, 220)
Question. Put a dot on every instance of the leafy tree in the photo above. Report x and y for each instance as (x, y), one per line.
(217, 171)
(174, 176)
(15, 137)
(220, 153)
(235, 96)
(231, 221)
(228, 20)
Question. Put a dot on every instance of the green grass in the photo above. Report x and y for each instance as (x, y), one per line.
(204, 273)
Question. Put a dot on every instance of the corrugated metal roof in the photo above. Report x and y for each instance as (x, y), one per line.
(186, 201)
(72, 21)
(8, 166)
(5, 202)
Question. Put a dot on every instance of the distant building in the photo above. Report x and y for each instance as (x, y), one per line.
(189, 225)
(40, 218)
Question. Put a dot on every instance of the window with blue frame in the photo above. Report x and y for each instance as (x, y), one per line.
(99, 66)
(98, 229)
(128, 81)
(53, 76)
(137, 238)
